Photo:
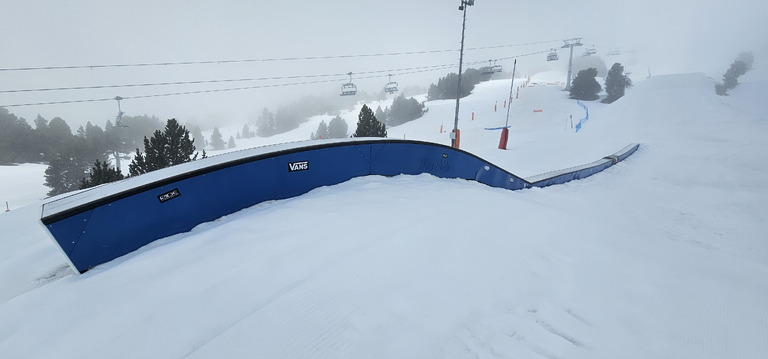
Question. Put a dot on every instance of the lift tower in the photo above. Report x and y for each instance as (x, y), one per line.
(455, 133)
(570, 43)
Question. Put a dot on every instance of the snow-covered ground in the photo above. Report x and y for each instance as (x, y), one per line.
(22, 184)
(662, 256)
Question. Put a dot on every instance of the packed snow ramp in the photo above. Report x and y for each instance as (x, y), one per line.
(89, 225)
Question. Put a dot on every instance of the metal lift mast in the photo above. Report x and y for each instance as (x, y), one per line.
(462, 7)
(570, 43)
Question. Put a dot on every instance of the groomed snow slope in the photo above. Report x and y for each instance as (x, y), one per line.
(663, 255)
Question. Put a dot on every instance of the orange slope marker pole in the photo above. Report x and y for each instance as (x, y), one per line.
(505, 131)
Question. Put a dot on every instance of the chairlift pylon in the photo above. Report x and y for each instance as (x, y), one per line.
(391, 86)
(348, 89)
(553, 56)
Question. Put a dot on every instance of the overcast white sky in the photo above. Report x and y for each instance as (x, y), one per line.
(667, 36)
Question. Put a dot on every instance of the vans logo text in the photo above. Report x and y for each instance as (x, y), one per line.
(298, 166)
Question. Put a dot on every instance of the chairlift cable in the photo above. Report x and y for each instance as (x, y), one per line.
(195, 82)
(275, 59)
(205, 91)
(372, 74)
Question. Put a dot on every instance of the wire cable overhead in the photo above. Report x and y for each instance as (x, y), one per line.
(323, 78)
(275, 59)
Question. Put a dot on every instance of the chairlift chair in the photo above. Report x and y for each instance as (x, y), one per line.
(553, 56)
(613, 53)
(496, 68)
(487, 70)
(120, 113)
(590, 51)
(348, 89)
(391, 86)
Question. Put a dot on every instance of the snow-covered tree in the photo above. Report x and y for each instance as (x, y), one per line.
(170, 147)
(101, 173)
(584, 86)
(615, 83)
(217, 142)
(64, 174)
(322, 131)
(368, 125)
(380, 115)
(404, 110)
(739, 67)
(247, 133)
(337, 128)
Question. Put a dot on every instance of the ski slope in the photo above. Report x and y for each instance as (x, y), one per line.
(663, 255)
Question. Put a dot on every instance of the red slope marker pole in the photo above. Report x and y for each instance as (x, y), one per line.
(505, 131)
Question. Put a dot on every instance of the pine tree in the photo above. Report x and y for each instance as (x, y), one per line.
(615, 83)
(43, 139)
(739, 67)
(53, 137)
(138, 165)
(17, 142)
(447, 86)
(231, 142)
(101, 173)
(246, 133)
(322, 131)
(584, 86)
(266, 125)
(197, 135)
(64, 174)
(167, 148)
(60, 133)
(96, 139)
(368, 125)
(381, 115)
(404, 110)
(217, 142)
(337, 128)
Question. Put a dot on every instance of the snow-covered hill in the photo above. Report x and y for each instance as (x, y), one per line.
(663, 255)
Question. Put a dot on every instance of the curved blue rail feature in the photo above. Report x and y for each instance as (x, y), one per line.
(579, 172)
(89, 225)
